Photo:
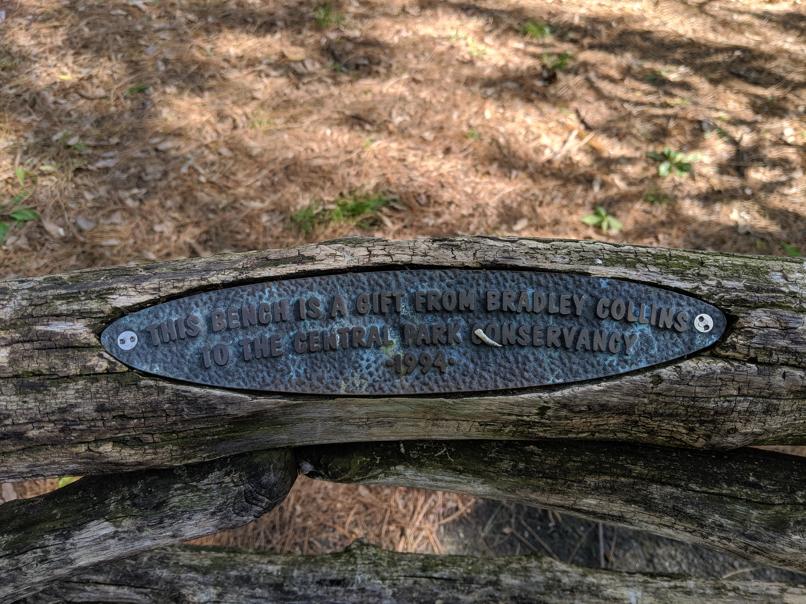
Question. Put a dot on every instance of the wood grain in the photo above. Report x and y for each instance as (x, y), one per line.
(748, 502)
(364, 573)
(107, 517)
(67, 407)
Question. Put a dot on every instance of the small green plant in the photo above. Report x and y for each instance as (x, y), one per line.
(306, 218)
(136, 89)
(673, 162)
(557, 62)
(474, 47)
(601, 218)
(790, 249)
(326, 16)
(21, 174)
(537, 30)
(357, 208)
(73, 142)
(261, 121)
(14, 213)
(473, 134)
(655, 196)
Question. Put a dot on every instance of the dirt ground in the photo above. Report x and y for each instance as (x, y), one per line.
(141, 129)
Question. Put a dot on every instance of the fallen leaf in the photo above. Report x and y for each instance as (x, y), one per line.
(92, 93)
(294, 53)
(53, 229)
(85, 224)
(103, 163)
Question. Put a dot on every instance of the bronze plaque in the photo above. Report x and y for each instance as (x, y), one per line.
(414, 331)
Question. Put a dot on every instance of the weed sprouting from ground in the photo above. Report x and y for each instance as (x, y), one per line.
(537, 30)
(601, 218)
(673, 162)
(136, 89)
(474, 47)
(359, 209)
(14, 213)
(557, 61)
(306, 218)
(326, 16)
(656, 196)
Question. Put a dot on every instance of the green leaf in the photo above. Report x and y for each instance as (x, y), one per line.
(4, 229)
(654, 155)
(791, 250)
(536, 30)
(306, 218)
(592, 219)
(656, 196)
(664, 168)
(137, 89)
(612, 225)
(24, 214)
(65, 480)
(557, 62)
(20, 197)
(21, 174)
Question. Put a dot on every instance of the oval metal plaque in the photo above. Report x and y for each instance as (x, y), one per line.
(414, 332)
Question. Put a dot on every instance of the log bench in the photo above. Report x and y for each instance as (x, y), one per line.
(663, 446)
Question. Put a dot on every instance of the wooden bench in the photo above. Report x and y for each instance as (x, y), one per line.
(662, 448)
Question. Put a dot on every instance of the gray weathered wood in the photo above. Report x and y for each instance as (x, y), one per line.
(66, 407)
(366, 574)
(107, 517)
(748, 502)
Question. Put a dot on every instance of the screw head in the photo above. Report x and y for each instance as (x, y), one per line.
(703, 323)
(127, 340)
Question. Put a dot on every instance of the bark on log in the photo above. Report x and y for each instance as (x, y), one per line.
(748, 502)
(67, 407)
(107, 517)
(367, 574)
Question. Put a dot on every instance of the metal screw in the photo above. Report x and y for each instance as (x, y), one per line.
(703, 323)
(127, 340)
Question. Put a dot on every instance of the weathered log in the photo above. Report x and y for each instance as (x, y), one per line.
(748, 502)
(67, 407)
(107, 517)
(367, 574)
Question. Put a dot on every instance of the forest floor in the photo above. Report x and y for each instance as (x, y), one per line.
(134, 130)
